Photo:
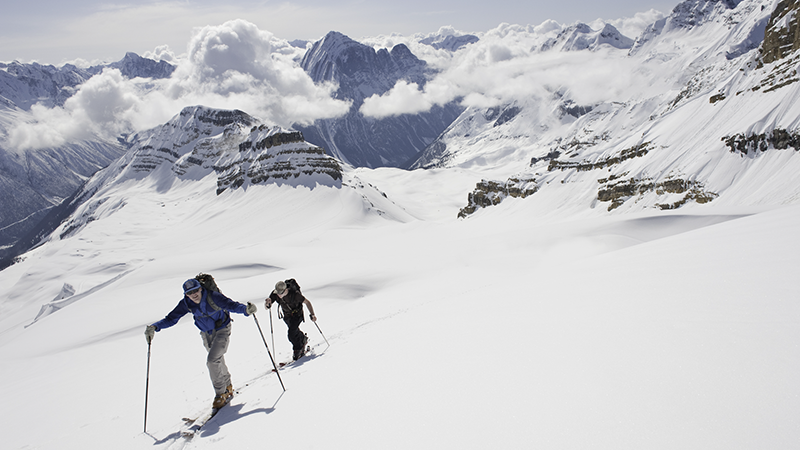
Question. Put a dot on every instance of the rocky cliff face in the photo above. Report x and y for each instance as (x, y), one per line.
(236, 148)
(360, 72)
(234, 145)
(782, 36)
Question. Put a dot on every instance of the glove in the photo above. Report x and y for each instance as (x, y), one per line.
(268, 302)
(313, 317)
(149, 332)
(251, 308)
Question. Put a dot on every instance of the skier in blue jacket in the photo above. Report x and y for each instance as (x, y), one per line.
(211, 311)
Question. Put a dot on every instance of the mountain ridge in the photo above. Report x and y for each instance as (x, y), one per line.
(360, 72)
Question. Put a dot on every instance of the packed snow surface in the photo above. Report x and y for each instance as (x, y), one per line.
(512, 328)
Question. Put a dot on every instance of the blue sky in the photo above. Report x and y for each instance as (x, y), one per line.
(55, 31)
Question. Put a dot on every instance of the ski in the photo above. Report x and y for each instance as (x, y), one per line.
(308, 353)
(195, 425)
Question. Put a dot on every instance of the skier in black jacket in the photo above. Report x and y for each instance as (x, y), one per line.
(291, 300)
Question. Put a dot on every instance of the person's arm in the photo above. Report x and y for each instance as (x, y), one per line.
(227, 304)
(310, 310)
(273, 298)
(173, 317)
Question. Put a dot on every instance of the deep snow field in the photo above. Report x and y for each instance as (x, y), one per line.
(510, 329)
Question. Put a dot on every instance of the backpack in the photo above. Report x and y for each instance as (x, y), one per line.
(292, 285)
(208, 283)
(292, 309)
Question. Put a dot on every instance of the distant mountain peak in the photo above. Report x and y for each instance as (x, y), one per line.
(688, 15)
(28, 84)
(361, 71)
(336, 57)
(450, 42)
(581, 36)
(216, 117)
(691, 13)
(133, 66)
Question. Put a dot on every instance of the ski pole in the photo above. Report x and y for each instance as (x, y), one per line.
(147, 387)
(320, 332)
(271, 332)
(277, 372)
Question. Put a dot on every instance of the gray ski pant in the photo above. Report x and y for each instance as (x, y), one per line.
(216, 343)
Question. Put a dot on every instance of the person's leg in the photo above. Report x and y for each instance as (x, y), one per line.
(296, 337)
(217, 344)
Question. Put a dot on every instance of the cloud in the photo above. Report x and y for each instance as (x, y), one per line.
(105, 105)
(403, 98)
(632, 27)
(234, 65)
(161, 53)
(504, 67)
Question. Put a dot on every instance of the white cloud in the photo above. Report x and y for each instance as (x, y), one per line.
(232, 66)
(403, 98)
(161, 53)
(548, 26)
(237, 61)
(236, 65)
(504, 67)
(105, 105)
(632, 27)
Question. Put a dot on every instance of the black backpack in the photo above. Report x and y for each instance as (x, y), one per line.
(292, 308)
(207, 281)
(292, 285)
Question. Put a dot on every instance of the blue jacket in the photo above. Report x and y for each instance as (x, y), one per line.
(205, 317)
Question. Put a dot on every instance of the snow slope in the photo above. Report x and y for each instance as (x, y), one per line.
(633, 123)
(649, 330)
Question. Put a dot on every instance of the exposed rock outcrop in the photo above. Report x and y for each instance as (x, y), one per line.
(782, 36)
(752, 144)
(491, 193)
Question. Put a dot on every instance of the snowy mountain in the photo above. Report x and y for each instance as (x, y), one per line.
(605, 256)
(637, 151)
(39, 180)
(236, 149)
(27, 84)
(360, 71)
(36, 181)
(449, 42)
(582, 37)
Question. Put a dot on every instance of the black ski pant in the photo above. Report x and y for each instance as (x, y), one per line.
(296, 337)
